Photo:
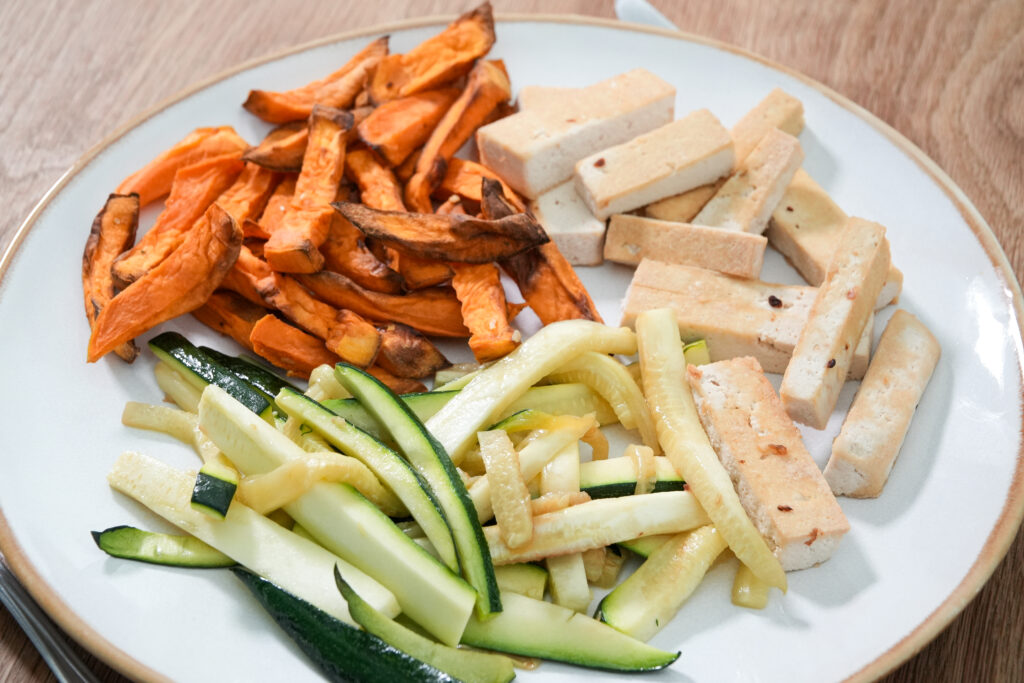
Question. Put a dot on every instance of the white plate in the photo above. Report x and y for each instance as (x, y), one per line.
(913, 558)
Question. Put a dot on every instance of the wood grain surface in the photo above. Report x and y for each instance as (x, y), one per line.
(948, 74)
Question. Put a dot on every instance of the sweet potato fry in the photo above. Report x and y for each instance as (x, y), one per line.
(345, 252)
(154, 179)
(395, 129)
(463, 179)
(437, 60)
(434, 311)
(231, 315)
(338, 90)
(484, 312)
(179, 284)
(378, 187)
(113, 231)
(292, 247)
(547, 281)
(282, 149)
(452, 237)
(396, 384)
(406, 353)
(273, 212)
(407, 168)
(289, 347)
(486, 87)
(195, 188)
(245, 276)
(350, 337)
(246, 199)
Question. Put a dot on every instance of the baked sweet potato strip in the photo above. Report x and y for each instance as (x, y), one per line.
(245, 276)
(289, 347)
(180, 284)
(486, 88)
(273, 212)
(346, 334)
(395, 129)
(231, 315)
(463, 179)
(338, 90)
(406, 353)
(435, 311)
(397, 384)
(378, 187)
(154, 180)
(437, 60)
(484, 311)
(195, 188)
(545, 278)
(283, 148)
(345, 252)
(292, 247)
(113, 231)
(451, 237)
(247, 198)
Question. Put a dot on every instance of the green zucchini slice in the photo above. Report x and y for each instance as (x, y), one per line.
(463, 664)
(263, 380)
(534, 628)
(430, 459)
(616, 477)
(172, 550)
(341, 651)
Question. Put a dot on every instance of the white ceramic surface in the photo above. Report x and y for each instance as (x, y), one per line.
(906, 553)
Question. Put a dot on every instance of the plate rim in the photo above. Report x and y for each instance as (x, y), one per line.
(989, 557)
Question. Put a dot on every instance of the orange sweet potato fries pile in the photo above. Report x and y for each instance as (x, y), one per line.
(350, 232)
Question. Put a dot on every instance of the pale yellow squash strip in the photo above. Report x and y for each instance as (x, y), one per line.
(567, 577)
(687, 446)
(748, 590)
(509, 495)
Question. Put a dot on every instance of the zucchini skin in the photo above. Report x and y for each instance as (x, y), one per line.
(175, 349)
(342, 652)
(628, 488)
(263, 380)
(213, 495)
(130, 543)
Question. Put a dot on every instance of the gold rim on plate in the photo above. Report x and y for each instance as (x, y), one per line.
(992, 552)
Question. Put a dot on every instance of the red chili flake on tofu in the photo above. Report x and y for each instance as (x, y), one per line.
(851, 293)
(785, 508)
(599, 163)
(815, 532)
(774, 301)
(777, 449)
(789, 208)
(831, 363)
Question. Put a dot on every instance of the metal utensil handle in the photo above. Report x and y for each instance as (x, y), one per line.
(63, 660)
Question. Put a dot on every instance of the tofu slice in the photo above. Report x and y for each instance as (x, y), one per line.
(633, 238)
(676, 157)
(779, 484)
(873, 432)
(533, 96)
(777, 110)
(840, 312)
(736, 317)
(536, 149)
(746, 200)
(805, 226)
(570, 225)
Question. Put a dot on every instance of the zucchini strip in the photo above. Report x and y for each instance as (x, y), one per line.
(687, 446)
(534, 628)
(617, 477)
(484, 399)
(566, 573)
(170, 550)
(389, 467)
(299, 566)
(433, 464)
(184, 395)
(598, 523)
(748, 590)
(645, 545)
(651, 596)
(344, 522)
(462, 664)
(610, 378)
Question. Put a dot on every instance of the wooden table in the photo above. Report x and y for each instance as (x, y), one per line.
(948, 74)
